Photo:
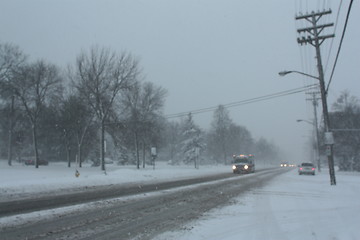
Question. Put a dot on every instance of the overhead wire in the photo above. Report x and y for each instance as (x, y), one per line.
(327, 45)
(246, 101)
(339, 48)
(307, 53)
(332, 39)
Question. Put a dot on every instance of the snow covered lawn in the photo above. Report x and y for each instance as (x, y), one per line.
(20, 180)
(289, 207)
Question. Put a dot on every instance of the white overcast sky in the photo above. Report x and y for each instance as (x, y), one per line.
(204, 52)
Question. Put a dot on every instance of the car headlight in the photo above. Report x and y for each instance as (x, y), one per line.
(233, 167)
(246, 167)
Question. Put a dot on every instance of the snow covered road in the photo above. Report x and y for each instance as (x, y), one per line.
(288, 207)
(143, 216)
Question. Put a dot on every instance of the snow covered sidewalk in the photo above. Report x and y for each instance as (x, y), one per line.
(289, 207)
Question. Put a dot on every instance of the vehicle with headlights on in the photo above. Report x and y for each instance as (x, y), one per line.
(284, 164)
(243, 164)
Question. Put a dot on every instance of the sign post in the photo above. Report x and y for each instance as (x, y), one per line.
(153, 156)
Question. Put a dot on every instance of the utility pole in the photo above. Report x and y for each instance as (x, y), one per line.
(315, 39)
(315, 104)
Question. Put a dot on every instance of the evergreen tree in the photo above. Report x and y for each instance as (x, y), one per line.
(193, 141)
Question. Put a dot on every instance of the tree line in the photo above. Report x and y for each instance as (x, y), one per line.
(99, 107)
(345, 122)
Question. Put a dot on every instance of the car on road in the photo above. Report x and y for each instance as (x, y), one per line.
(31, 161)
(243, 164)
(307, 168)
(284, 164)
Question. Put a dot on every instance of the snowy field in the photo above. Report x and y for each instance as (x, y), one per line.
(289, 207)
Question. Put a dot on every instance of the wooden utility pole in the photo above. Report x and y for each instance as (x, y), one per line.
(315, 39)
(314, 101)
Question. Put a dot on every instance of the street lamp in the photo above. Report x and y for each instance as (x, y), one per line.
(328, 135)
(314, 124)
(302, 120)
(283, 73)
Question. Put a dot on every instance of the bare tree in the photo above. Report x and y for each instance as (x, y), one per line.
(173, 137)
(220, 134)
(65, 125)
(99, 77)
(266, 151)
(240, 140)
(132, 103)
(77, 118)
(11, 58)
(152, 103)
(35, 85)
(143, 105)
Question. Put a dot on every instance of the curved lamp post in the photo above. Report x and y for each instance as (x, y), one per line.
(283, 73)
(302, 120)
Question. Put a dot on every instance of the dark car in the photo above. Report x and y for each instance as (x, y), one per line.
(243, 164)
(307, 168)
(31, 161)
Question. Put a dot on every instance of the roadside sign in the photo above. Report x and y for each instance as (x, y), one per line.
(153, 151)
(329, 138)
(328, 150)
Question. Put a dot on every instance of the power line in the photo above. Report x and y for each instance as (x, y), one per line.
(341, 41)
(332, 40)
(246, 101)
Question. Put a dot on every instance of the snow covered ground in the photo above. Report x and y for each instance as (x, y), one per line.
(289, 207)
(20, 180)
